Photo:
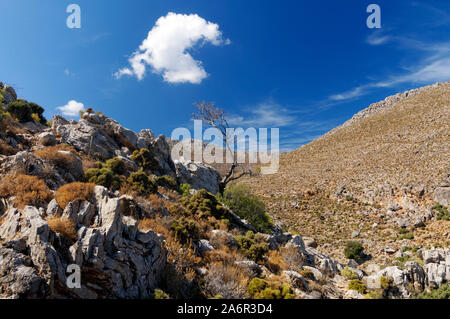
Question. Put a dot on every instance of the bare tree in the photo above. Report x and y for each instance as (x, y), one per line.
(215, 117)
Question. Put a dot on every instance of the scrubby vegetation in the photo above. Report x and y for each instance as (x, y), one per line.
(357, 285)
(443, 292)
(109, 174)
(74, 191)
(204, 205)
(27, 190)
(167, 182)
(252, 246)
(353, 250)
(247, 206)
(62, 156)
(442, 211)
(25, 111)
(142, 183)
(185, 229)
(349, 274)
(63, 226)
(145, 159)
(261, 289)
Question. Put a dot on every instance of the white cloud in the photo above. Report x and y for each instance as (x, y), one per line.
(72, 108)
(165, 49)
(434, 66)
(267, 114)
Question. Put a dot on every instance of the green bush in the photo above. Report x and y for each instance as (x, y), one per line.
(204, 205)
(353, 250)
(442, 212)
(107, 174)
(260, 289)
(159, 294)
(357, 285)
(349, 274)
(184, 189)
(247, 206)
(167, 182)
(185, 229)
(23, 111)
(374, 294)
(386, 282)
(252, 246)
(142, 183)
(145, 159)
(443, 292)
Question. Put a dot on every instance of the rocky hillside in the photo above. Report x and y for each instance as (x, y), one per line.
(90, 209)
(381, 178)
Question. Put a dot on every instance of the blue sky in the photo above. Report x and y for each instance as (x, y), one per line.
(302, 66)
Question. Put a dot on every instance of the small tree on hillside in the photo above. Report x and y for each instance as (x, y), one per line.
(215, 117)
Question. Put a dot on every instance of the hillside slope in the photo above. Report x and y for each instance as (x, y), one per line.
(381, 169)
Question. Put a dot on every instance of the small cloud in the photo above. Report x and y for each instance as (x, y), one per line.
(377, 39)
(268, 114)
(71, 109)
(166, 47)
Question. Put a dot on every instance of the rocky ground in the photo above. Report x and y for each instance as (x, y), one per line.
(138, 224)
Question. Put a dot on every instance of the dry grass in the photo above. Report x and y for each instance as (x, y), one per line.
(28, 190)
(226, 280)
(158, 203)
(63, 226)
(74, 191)
(58, 156)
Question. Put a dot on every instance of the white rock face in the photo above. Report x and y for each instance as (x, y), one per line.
(116, 259)
(442, 195)
(198, 175)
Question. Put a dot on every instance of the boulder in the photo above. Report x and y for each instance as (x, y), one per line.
(198, 175)
(442, 195)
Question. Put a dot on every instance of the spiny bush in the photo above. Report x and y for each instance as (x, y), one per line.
(247, 206)
(142, 183)
(225, 279)
(252, 246)
(6, 149)
(186, 230)
(159, 294)
(349, 274)
(261, 289)
(145, 159)
(204, 205)
(63, 226)
(23, 111)
(184, 189)
(443, 292)
(167, 182)
(353, 250)
(28, 190)
(74, 191)
(357, 285)
(107, 174)
(442, 212)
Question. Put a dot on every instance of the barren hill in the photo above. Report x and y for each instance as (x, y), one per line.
(378, 171)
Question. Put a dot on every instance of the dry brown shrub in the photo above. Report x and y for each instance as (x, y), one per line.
(158, 203)
(227, 280)
(55, 155)
(74, 191)
(276, 262)
(28, 190)
(158, 225)
(173, 195)
(63, 226)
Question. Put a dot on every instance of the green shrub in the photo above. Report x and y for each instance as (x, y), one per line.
(442, 212)
(167, 182)
(252, 246)
(409, 236)
(357, 285)
(185, 229)
(145, 159)
(23, 111)
(204, 205)
(349, 274)
(142, 183)
(353, 250)
(260, 289)
(374, 294)
(247, 206)
(184, 189)
(107, 174)
(159, 294)
(443, 292)
(386, 282)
